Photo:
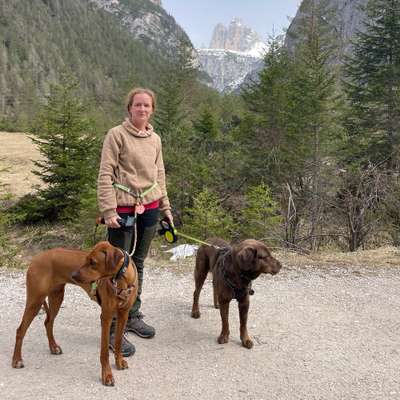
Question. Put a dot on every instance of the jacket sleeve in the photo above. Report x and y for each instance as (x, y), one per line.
(106, 197)
(165, 206)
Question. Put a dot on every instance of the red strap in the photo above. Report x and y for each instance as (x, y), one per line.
(131, 209)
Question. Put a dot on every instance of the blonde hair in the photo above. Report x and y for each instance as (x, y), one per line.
(135, 91)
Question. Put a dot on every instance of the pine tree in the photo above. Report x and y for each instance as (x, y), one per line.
(174, 93)
(263, 127)
(372, 123)
(205, 135)
(311, 112)
(261, 213)
(207, 218)
(69, 147)
(372, 86)
(216, 158)
(292, 119)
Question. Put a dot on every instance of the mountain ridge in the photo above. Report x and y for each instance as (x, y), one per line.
(234, 52)
(78, 37)
(346, 22)
(149, 23)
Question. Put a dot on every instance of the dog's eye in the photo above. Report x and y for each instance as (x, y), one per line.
(92, 262)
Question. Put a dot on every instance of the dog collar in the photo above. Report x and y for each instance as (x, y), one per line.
(123, 268)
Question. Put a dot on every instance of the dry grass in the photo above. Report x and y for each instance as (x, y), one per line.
(387, 256)
(382, 257)
(17, 153)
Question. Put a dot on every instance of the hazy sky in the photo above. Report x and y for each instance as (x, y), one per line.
(199, 17)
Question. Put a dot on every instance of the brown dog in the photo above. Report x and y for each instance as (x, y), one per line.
(117, 284)
(233, 269)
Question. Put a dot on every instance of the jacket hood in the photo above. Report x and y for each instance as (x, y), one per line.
(129, 127)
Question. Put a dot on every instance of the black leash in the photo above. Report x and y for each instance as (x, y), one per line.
(123, 268)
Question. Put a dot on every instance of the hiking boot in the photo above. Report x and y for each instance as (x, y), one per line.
(127, 348)
(136, 325)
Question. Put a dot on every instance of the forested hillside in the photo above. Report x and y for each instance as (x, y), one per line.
(40, 41)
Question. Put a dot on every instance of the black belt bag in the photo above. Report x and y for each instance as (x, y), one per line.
(127, 221)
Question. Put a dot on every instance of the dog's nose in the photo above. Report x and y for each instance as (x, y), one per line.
(277, 268)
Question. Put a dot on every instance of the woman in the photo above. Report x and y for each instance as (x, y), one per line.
(132, 182)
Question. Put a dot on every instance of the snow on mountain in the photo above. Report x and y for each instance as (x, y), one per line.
(227, 68)
(234, 52)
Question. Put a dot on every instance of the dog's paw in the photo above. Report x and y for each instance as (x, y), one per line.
(195, 314)
(122, 364)
(247, 343)
(18, 364)
(223, 339)
(108, 380)
(56, 350)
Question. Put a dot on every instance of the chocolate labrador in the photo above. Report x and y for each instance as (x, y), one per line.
(233, 269)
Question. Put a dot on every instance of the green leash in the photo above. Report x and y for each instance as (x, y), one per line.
(171, 234)
(139, 196)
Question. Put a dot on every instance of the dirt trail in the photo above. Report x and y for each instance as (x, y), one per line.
(319, 334)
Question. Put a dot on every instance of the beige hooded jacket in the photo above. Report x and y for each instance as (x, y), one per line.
(132, 158)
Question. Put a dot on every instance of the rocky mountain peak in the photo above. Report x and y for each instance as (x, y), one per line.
(234, 52)
(114, 3)
(151, 25)
(226, 68)
(236, 37)
(348, 16)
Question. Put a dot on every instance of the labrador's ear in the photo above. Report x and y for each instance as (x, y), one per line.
(246, 257)
(113, 257)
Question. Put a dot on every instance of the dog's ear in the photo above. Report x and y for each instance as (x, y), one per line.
(246, 257)
(113, 257)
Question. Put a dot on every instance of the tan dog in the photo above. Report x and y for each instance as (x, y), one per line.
(233, 269)
(117, 284)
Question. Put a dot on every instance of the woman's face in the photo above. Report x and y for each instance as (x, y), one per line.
(141, 108)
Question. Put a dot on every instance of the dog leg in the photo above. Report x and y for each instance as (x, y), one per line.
(120, 362)
(200, 275)
(31, 310)
(224, 311)
(215, 295)
(106, 374)
(55, 300)
(243, 313)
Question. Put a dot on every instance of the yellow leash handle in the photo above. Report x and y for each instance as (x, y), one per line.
(171, 234)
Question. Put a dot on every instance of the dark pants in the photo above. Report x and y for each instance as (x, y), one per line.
(146, 225)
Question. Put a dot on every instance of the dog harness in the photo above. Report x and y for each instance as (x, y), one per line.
(239, 293)
(122, 294)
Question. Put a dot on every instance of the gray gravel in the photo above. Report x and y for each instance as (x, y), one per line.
(319, 334)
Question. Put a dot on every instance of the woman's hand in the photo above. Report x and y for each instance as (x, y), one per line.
(112, 222)
(169, 217)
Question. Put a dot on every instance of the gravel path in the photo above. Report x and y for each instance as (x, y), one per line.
(319, 334)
